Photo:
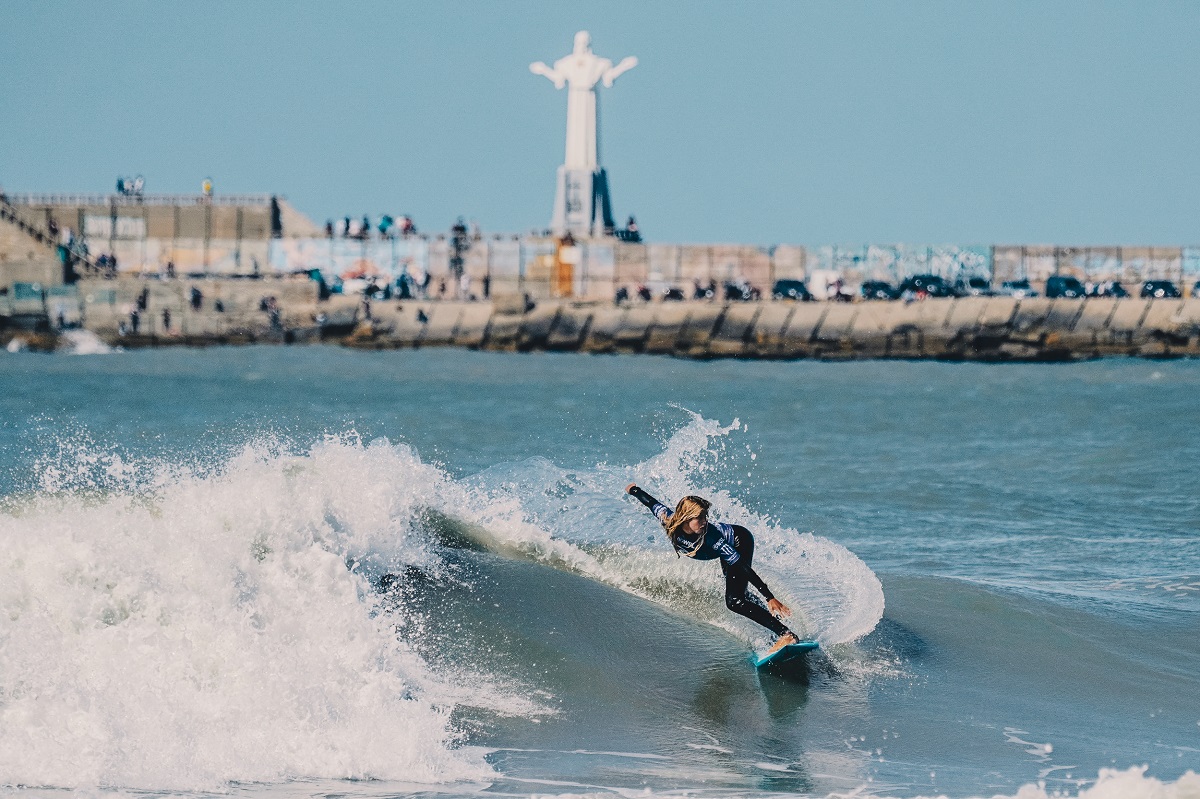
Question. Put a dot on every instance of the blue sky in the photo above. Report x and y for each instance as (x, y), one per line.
(848, 122)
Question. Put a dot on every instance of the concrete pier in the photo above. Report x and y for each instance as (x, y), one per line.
(288, 310)
(975, 328)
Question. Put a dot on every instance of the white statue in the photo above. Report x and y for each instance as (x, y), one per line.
(582, 70)
(577, 206)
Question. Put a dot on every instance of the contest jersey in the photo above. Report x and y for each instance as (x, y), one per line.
(715, 542)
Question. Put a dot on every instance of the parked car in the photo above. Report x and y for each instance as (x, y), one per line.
(1196, 289)
(931, 285)
(974, 287)
(1064, 286)
(877, 290)
(791, 290)
(673, 294)
(741, 291)
(1017, 288)
(1160, 289)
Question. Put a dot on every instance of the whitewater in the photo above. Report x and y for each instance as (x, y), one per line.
(435, 586)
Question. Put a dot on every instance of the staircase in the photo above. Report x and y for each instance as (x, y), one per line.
(9, 214)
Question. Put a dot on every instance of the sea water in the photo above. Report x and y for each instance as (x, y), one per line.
(293, 572)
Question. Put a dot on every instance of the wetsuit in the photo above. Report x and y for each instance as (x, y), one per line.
(734, 545)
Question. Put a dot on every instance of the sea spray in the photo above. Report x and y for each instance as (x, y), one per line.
(188, 632)
(838, 598)
(84, 342)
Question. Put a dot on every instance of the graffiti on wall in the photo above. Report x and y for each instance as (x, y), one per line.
(597, 268)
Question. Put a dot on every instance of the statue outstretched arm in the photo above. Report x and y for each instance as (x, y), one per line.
(611, 74)
(538, 68)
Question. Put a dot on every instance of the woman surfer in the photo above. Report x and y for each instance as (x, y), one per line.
(692, 534)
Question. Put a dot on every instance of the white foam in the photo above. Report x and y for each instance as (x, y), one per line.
(1131, 783)
(174, 628)
(84, 342)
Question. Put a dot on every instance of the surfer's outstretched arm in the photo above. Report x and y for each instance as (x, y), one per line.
(660, 511)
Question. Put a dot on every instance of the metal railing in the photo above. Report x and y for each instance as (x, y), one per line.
(46, 238)
(141, 199)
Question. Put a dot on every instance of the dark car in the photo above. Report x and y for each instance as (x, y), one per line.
(673, 294)
(791, 290)
(877, 290)
(1160, 289)
(741, 291)
(1017, 288)
(931, 285)
(1196, 289)
(1064, 286)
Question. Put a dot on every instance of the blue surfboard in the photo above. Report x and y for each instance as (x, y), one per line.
(786, 654)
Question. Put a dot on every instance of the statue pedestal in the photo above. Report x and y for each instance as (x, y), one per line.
(582, 206)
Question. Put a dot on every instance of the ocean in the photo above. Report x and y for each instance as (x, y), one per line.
(279, 572)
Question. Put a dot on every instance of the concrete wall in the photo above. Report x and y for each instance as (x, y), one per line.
(975, 328)
(108, 308)
(224, 235)
(231, 235)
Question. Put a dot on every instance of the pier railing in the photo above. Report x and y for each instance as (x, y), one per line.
(247, 235)
(75, 199)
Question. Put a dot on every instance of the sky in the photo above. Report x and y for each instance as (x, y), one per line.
(1013, 122)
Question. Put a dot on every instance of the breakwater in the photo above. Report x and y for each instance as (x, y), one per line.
(970, 328)
(989, 329)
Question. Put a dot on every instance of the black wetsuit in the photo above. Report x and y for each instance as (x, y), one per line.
(734, 545)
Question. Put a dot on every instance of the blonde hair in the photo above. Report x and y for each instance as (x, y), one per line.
(688, 508)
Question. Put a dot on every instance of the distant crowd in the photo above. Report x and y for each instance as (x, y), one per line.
(388, 227)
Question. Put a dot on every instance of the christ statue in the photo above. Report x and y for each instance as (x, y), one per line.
(581, 71)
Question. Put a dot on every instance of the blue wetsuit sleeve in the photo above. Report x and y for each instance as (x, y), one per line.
(660, 510)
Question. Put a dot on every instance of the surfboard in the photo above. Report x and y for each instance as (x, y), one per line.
(786, 654)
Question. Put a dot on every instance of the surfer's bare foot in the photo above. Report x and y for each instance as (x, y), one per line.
(784, 640)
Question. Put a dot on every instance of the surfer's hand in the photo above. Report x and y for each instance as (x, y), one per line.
(629, 488)
(778, 608)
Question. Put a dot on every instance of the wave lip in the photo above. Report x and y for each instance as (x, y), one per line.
(207, 630)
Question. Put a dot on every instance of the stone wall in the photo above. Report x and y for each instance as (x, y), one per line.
(973, 328)
(229, 311)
